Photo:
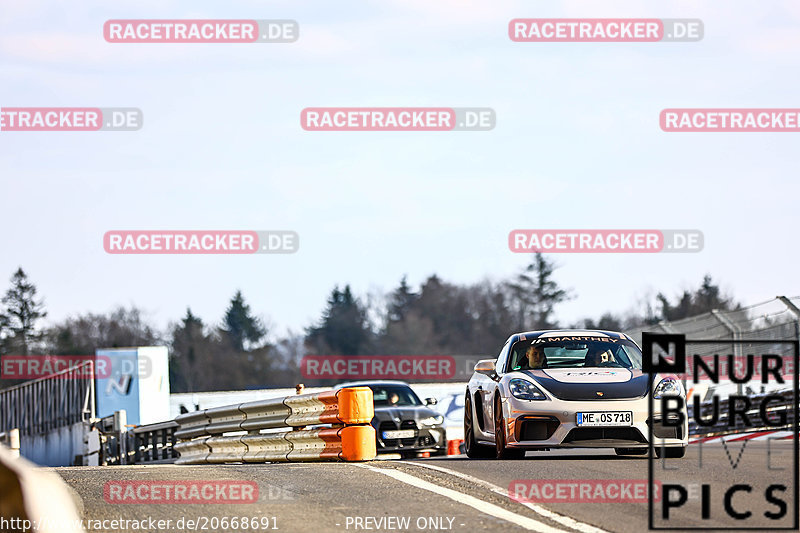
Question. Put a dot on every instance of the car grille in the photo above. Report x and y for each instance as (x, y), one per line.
(408, 424)
(388, 425)
(580, 434)
(661, 431)
(536, 428)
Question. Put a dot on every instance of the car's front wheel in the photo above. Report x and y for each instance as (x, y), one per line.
(501, 451)
(471, 446)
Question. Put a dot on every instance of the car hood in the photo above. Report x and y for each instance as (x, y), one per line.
(592, 383)
(403, 413)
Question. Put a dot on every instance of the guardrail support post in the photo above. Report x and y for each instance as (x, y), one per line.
(120, 429)
(795, 311)
(737, 334)
(13, 442)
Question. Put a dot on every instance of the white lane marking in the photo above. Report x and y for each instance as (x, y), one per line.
(552, 515)
(476, 503)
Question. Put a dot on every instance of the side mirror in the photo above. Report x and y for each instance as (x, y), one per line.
(485, 366)
(431, 401)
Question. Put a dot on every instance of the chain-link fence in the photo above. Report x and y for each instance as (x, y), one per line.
(777, 319)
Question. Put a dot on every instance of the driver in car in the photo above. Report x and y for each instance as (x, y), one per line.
(600, 357)
(536, 357)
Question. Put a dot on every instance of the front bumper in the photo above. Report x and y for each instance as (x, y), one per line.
(426, 439)
(553, 424)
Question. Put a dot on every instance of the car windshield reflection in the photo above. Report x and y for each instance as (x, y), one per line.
(394, 396)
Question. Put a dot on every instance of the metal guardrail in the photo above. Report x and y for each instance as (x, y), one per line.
(348, 411)
(152, 444)
(42, 405)
(148, 444)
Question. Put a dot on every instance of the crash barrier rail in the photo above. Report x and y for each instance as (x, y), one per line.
(153, 443)
(721, 427)
(40, 406)
(347, 412)
(148, 444)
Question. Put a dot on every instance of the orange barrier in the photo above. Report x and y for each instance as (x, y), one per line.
(454, 446)
(348, 410)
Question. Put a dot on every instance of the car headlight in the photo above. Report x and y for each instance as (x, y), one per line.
(525, 390)
(432, 421)
(668, 387)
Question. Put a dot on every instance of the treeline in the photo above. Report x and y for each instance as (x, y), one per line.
(240, 352)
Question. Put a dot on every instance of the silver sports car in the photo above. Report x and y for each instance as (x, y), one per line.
(568, 389)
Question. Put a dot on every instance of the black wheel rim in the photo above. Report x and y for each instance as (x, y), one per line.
(499, 433)
(468, 436)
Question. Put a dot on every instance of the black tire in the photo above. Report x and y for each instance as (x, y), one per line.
(471, 446)
(501, 451)
(674, 452)
(630, 451)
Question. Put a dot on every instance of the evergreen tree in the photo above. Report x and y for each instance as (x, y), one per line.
(536, 294)
(691, 303)
(343, 329)
(446, 307)
(188, 343)
(240, 326)
(20, 316)
(400, 302)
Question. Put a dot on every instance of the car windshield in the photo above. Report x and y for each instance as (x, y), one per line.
(394, 396)
(573, 352)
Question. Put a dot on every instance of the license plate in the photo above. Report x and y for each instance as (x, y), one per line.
(606, 418)
(399, 434)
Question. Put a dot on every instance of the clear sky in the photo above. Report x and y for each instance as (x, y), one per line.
(577, 145)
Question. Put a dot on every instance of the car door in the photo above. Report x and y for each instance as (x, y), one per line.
(487, 388)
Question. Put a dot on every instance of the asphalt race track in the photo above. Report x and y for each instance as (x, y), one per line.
(455, 493)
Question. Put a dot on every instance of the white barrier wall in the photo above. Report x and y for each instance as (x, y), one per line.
(58, 447)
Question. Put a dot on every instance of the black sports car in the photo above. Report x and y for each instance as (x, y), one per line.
(403, 423)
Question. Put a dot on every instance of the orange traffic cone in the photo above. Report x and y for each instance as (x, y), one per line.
(453, 447)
